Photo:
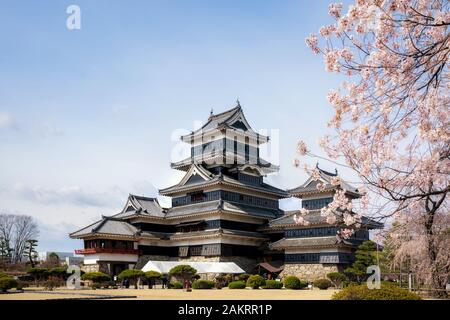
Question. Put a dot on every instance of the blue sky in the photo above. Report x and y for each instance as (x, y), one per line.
(87, 116)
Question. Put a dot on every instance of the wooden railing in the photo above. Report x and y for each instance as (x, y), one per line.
(106, 250)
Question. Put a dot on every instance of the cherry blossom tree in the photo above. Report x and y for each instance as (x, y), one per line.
(392, 120)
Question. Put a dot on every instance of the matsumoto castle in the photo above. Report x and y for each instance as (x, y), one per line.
(224, 218)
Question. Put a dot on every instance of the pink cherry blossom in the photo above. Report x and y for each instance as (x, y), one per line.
(392, 122)
(302, 149)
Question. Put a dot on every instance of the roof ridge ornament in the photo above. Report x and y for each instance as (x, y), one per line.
(211, 114)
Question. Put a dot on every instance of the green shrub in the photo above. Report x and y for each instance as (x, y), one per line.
(237, 285)
(202, 284)
(175, 285)
(244, 277)
(273, 284)
(22, 284)
(387, 292)
(294, 283)
(183, 271)
(108, 284)
(322, 284)
(6, 283)
(337, 279)
(2, 275)
(52, 283)
(96, 285)
(59, 272)
(131, 275)
(223, 280)
(38, 273)
(96, 277)
(255, 281)
(152, 275)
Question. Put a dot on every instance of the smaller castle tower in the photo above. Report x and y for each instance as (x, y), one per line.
(313, 250)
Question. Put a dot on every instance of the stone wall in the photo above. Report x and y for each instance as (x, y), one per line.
(90, 268)
(98, 267)
(198, 259)
(310, 271)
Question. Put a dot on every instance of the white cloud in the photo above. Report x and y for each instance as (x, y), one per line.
(6, 121)
(119, 108)
(48, 130)
(73, 195)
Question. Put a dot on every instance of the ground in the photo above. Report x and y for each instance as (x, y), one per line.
(171, 294)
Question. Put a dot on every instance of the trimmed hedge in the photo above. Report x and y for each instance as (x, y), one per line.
(202, 284)
(244, 277)
(175, 285)
(322, 284)
(183, 270)
(255, 281)
(338, 279)
(273, 284)
(152, 275)
(294, 283)
(96, 277)
(131, 274)
(6, 283)
(237, 285)
(387, 292)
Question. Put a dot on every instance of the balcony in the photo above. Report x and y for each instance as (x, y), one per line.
(106, 250)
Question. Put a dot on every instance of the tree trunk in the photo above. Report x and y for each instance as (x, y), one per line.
(438, 285)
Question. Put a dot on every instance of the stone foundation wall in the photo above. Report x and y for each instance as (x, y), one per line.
(98, 267)
(309, 272)
(198, 259)
(90, 268)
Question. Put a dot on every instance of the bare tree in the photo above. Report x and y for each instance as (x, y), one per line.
(25, 228)
(6, 227)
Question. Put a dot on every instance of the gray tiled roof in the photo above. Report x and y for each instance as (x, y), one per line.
(224, 119)
(326, 177)
(217, 119)
(244, 233)
(107, 226)
(314, 217)
(193, 208)
(184, 164)
(218, 231)
(256, 211)
(262, 187)
(219, 178)
(304, 242)
(222, 205)
(141, 205)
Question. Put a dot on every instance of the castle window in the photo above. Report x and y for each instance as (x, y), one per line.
(196, 197)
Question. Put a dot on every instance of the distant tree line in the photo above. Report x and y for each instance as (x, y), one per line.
(18, 235)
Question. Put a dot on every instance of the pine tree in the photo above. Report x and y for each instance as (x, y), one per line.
(5, 251)
(30, 252)
(365, 256)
